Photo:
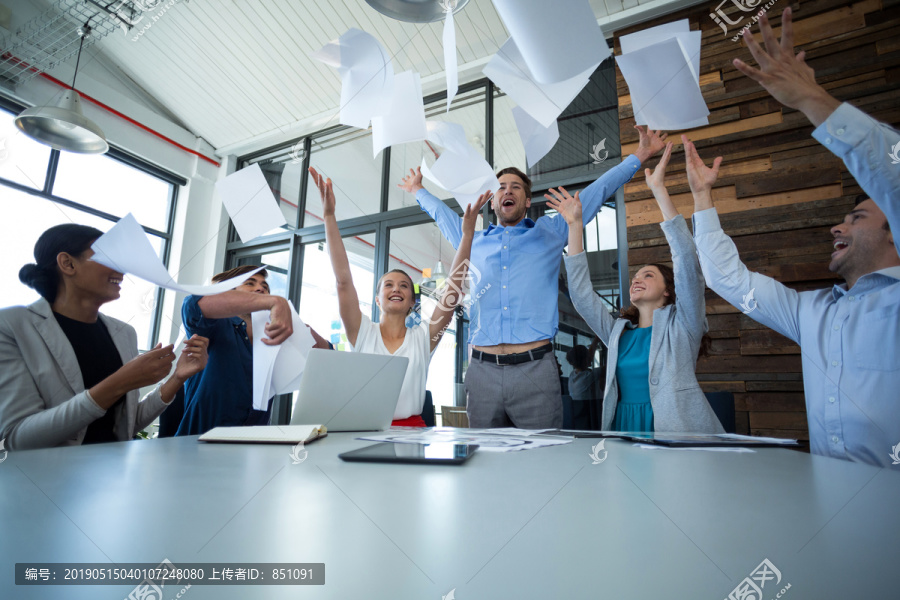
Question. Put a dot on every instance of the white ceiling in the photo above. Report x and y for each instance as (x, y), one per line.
(238, 73)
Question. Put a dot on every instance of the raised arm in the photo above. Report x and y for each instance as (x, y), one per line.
(869, 148)
(594, 195)
(761, 298)
(446, 219)
(586, 302)
(690, 303)
(348, 299)
(234, 303)
(455, 287)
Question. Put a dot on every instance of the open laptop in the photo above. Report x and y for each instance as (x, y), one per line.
(349, 391)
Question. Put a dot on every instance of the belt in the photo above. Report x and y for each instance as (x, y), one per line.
(513, 359)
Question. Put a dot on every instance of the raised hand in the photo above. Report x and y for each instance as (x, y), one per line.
(649, 142)
(470, 217)
(412, 183)
(786, 76)
(657, 179)
(193, 357)
(326, 192)
(700, 177)
(565, 204)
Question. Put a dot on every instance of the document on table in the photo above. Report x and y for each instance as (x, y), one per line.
(126, 249)
(487, 441)
(704, 449)
(249, 201)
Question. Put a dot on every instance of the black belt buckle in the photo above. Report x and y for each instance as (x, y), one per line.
(513, 359)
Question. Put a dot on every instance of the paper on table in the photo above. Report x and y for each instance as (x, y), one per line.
(662, 87)
(126, 249)
(537, 25)
(450, 65)
(487, 442)
(537, 139)
(263, 361)
(366, 75)
(250, 203)
(757, 438)
(704, 449)
(404, 121)
(544, 102)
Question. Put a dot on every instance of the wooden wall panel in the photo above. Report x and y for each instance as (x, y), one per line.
(779, 191)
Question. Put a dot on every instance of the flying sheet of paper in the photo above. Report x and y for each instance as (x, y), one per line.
(466, 176)
(689, 43)
(291, 360)
(250, 203)
(537, 139)
(559, 40)
(263, 361)
(450, 64)
(662, 87)
(126, 249)
(448, 135)
(367, 75)
(544, 102)
(404, 121)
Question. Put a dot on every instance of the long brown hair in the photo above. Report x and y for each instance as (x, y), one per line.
(633, 314)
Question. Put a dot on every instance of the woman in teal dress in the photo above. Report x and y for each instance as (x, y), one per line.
(653, 346)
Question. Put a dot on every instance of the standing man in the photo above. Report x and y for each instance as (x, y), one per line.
(513, 379)
(849, 334)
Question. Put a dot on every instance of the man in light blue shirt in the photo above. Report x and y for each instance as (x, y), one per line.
(513, 379)
(849, 335)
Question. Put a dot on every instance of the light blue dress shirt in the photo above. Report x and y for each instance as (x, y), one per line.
(849, 339)
(514, 271)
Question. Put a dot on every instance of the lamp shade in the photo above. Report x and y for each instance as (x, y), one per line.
(63, 126)
(414, 11)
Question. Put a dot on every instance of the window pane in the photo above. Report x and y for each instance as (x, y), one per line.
(22, 159)
(106, 184)
(283, 170)
(467, 110)
(26, 217)
(345, 157)
(590, 121)
(318, 293)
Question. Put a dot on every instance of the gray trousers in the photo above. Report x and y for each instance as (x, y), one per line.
(526, 395)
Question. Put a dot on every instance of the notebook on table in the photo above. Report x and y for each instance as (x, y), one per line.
(266, 434)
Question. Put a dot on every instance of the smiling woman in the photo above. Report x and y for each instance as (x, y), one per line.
(69, 375)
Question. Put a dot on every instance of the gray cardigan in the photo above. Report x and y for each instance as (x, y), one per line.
(678, 402)
(42, 398)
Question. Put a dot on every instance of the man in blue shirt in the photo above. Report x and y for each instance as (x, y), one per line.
(513, 379)
(223, 395)
(849, 335)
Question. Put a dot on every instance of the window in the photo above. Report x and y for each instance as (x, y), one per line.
(284, 172)
(86, 189)
(346, 157)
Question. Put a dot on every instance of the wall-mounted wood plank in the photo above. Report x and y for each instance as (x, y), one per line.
(779, 192)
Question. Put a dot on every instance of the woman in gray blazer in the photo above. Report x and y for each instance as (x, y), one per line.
(68, 374)
(653, 345)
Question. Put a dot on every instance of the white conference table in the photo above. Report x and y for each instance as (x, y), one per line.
(544, 523)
